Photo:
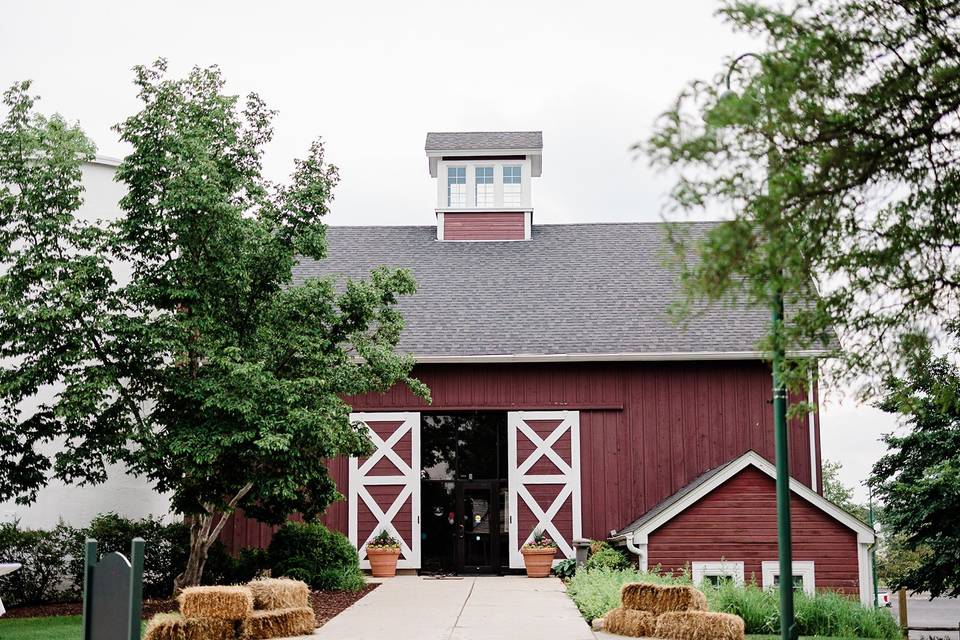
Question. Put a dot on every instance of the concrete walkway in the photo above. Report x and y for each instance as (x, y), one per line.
(484, 608)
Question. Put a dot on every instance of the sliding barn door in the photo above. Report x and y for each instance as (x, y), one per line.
(384, 491)
(543, 468)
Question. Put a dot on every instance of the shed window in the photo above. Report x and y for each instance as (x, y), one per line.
(803, 575)
(715, 573)
(484, 176)
(456, 186)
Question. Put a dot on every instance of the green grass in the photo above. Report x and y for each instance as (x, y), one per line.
(52, 628)
(49, 628)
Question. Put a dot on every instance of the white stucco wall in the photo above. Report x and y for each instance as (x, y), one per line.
(127, 495)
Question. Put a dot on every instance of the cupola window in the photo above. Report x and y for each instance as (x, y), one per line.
(485, 196)
(456, 186)
(512, 196)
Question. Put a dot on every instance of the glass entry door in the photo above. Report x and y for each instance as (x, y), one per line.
(464, 493)
(481, 517)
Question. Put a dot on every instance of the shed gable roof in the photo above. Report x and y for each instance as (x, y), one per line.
(699, 488)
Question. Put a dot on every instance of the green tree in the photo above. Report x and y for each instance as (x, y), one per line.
(835, 164)
(895, 559)
(209, 371)
(918, 479)
(838, 493)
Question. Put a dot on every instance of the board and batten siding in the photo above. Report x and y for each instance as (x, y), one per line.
(484, 226)
(646, 428)
(737, 522)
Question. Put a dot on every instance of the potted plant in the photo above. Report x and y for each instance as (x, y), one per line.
(538, 555)
(383, 551)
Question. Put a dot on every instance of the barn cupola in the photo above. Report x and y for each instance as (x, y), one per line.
(483, 183)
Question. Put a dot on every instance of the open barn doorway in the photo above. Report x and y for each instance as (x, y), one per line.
(464, 522)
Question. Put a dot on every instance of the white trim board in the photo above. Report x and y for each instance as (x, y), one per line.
(804, 568)
(665, 356)
(702, 569)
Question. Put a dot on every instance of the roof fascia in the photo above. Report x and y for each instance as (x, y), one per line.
(648, 356)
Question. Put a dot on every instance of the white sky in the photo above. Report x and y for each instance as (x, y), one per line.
(373, 77)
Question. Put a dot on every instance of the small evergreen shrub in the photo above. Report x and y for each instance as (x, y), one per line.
(608, 558)
(310, 552)
(43, 578)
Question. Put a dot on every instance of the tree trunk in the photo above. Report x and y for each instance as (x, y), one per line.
(199, 546)
(202, 536)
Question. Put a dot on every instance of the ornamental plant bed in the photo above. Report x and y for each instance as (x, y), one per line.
(383, 551)
(538, 555)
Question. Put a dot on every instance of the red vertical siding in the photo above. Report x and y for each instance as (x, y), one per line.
(738, 522)
(646, 429)
(507, 225)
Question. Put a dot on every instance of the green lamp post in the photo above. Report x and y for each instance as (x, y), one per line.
(788, 627)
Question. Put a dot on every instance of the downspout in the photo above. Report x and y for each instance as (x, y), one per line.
(638, 550)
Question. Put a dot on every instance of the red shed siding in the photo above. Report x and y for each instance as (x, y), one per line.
(738, 522)
(646, 429)
(484, 226)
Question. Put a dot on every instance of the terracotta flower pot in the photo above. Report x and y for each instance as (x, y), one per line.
(383, 561)
(538, 561)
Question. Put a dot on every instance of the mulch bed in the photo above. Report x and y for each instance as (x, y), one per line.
(150, 607)
(326, 605)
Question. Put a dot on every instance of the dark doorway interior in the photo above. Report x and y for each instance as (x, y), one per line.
(464, 492)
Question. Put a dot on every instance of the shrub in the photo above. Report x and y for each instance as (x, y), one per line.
(165, 552)
(43, 555)
(608, 558)
(310, 552)
(565, 568)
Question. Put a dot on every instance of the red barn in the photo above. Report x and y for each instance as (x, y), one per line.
(565, 399)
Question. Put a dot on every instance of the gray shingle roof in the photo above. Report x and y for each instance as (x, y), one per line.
(478, 140)
(571, 289)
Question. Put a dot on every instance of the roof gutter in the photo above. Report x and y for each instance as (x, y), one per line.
(649, 356)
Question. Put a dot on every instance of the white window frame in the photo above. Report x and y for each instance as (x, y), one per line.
(464, 184)
(723, 568)
(804, 568)
(492, 185)
(507, 198)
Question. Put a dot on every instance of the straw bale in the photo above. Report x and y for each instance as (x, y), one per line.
(699, 625)
(278, 623)
(279, 593)
(173, 626)
(630, 622)
(657, 599)
(222, 603)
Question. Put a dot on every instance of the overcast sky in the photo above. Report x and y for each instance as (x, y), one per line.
(372, 78)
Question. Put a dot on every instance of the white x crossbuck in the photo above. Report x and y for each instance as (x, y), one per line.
(520, 479)
(404, 474)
